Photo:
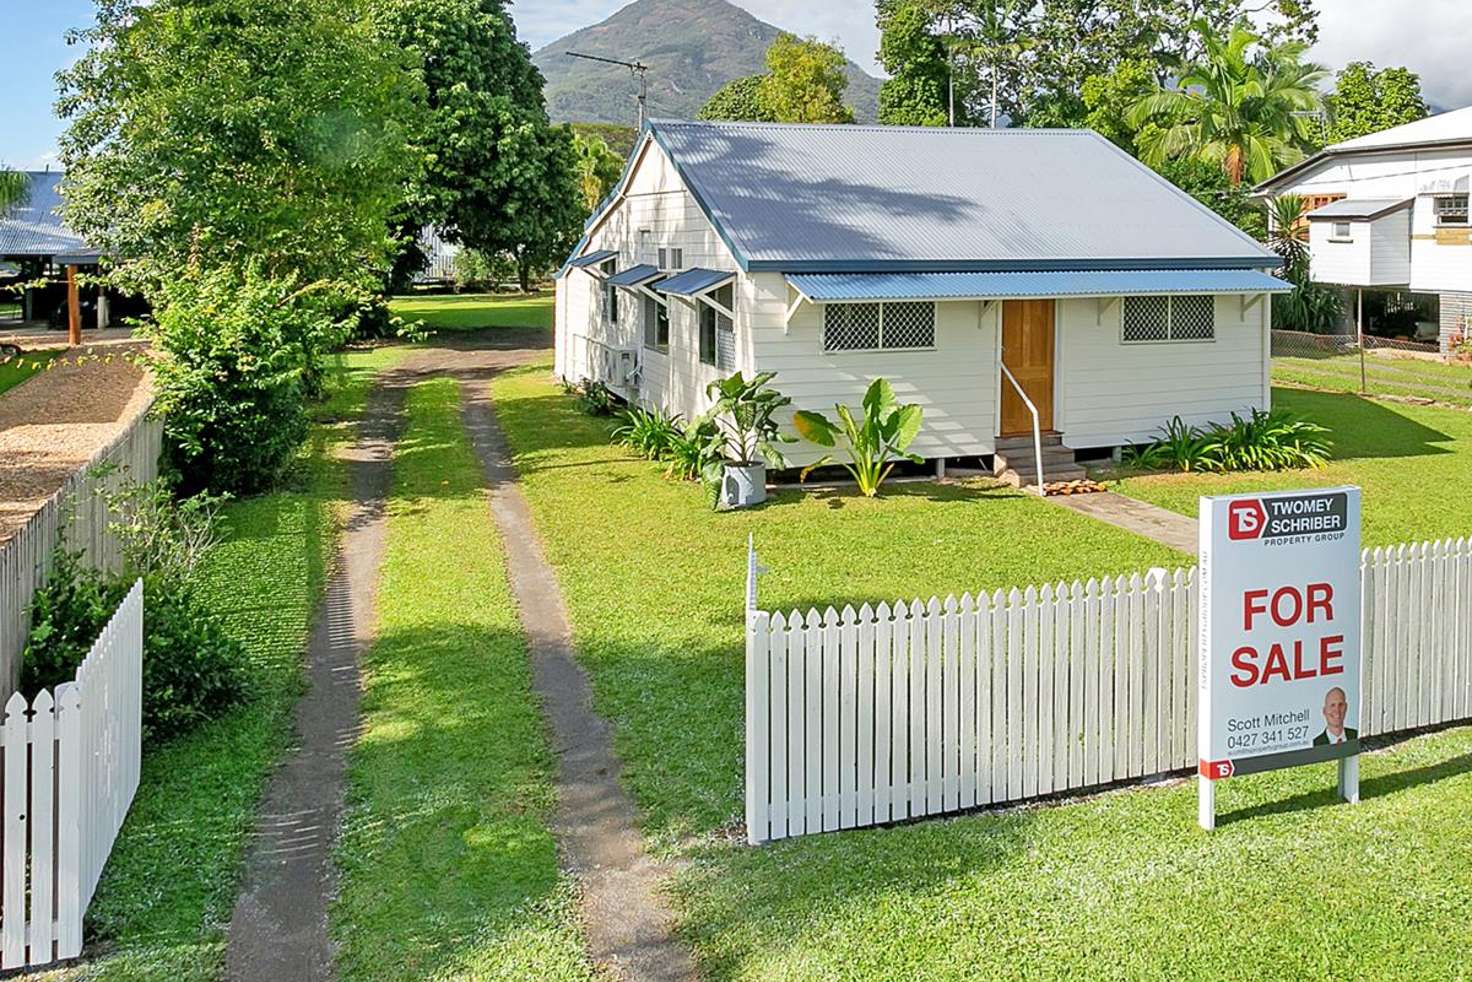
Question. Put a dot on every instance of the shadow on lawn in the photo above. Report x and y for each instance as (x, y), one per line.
(1363, 427)
(1373, 787)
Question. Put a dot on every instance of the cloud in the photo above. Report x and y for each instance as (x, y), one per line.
(1430, 37)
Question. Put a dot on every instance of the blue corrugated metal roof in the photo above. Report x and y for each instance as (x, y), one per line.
(695, 280)
(634, 275)
(816, 198)
(827, 287)
(593, 258)
(35, 227)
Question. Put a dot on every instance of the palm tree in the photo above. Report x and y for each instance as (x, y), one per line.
(15, 189)
(1248, 112)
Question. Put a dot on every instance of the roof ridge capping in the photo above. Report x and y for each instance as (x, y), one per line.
(665, 122)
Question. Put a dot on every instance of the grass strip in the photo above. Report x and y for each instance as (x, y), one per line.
(449, 870)
(476, 311)
(26, 366)
(655, 581)
(166, 894)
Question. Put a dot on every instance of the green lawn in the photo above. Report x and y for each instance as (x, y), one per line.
(1384, 374)
(1121, 885)
(165, 897)
(655, 579)
(17, 370)
(1291, 885)
(448, 868)
(474, 311)
(1410, 460)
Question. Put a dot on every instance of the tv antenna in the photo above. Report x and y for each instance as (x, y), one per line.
(637, 69)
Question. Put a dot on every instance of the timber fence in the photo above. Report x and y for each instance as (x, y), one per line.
(893, 712)
(77, 514)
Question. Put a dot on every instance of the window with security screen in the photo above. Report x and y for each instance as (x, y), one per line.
(1187, 318)
(878, 327)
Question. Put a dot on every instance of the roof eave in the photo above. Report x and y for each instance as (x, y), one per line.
(1267, 261)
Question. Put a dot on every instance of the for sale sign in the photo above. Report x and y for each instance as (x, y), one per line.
(1280, 631)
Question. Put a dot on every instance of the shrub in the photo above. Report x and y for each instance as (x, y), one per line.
(192, 668)
(885, 432)
(238, 355)
(694, 453)
(595, 398)
(648, 432)
(1312, 307)
(1263, 441)
(1180, 447)
(1267, 441)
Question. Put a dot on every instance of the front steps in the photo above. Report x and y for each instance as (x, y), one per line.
(1014, 463)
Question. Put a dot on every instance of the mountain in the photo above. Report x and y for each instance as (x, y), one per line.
(692, 48)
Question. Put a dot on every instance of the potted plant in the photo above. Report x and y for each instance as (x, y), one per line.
(744, 410)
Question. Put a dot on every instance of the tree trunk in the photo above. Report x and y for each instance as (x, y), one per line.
(524, 274)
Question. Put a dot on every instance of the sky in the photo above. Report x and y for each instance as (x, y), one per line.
(1431, 37)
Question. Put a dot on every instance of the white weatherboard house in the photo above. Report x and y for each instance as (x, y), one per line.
(969, 267)
(1388, 211)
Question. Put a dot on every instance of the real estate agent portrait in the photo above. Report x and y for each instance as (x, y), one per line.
(1336, 705)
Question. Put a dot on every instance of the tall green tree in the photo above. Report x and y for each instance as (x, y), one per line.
(739, 99)
(916, 59)
(486, 131)
(598, 169)
(15, 188)
(1366, 100)
(1243, 106)
(805, 81)
(547, 211)
(275, 130)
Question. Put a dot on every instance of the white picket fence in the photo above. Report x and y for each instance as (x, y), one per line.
(888, 713)
(71, 766)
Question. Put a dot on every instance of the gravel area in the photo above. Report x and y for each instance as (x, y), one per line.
(54, 423)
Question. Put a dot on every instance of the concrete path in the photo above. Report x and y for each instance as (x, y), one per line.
(278, 930)
(628, 924)
(1166, 527)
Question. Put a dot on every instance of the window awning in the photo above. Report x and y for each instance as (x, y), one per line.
(689, 282)
(593, 258)
(840, 287)
(1356, 209)
(635, 276)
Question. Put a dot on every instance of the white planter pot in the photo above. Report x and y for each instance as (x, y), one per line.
(743, 485)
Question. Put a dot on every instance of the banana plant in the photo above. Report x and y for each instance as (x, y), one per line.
(884, 433)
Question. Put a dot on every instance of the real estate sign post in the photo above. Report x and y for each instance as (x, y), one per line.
(1279, 636)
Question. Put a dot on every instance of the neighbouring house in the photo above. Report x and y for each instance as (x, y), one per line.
(980, 271)
(35, 240)
(1387, 217)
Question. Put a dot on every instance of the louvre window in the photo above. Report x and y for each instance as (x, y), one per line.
(610, 293)
(878, 326)
(671, 258)
(1189, 318)
(656, 325)
(717, 338)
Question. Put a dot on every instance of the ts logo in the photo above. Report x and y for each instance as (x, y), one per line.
(1246, 520)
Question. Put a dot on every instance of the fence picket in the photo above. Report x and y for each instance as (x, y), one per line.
(966, 701)
(917, 793)
(935, 730)
(1016, 748)
(864, 734)
(43, 829)
(797, 687)
(758, 728)
(883, 715)
(813, 722)
(831, 665)
(1062, 682)
(1001, 693)
(1040, 618)
(13, 925)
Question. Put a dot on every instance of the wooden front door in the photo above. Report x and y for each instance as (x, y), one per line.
(1027, 351)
